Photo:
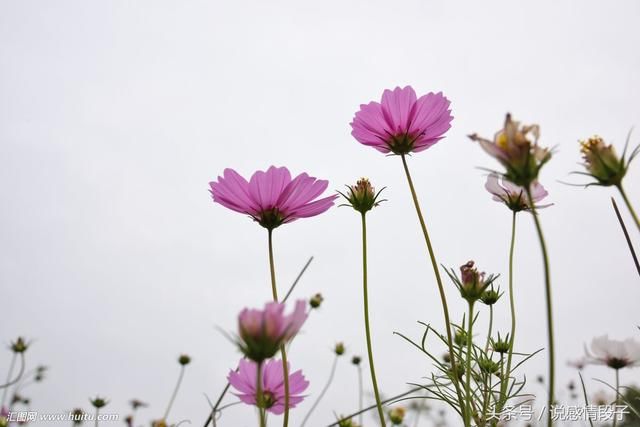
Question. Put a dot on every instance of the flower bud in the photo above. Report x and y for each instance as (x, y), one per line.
(348, 422)
(488, 366)
(460, 337)
(356, 360)
(490, 296)
(501, 345)
(339, 349)
(459, 372)
(19, 345)
(316, 300)
(99, 402)
(362, 196)
(396, 415)
(77, 416)
(184, 359)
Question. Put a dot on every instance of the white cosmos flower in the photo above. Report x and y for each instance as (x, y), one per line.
(614, 353)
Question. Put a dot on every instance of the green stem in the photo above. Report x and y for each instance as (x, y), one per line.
(323, 392)
(175, 393)
(8, 382)
(272, 268)
(486, 346)
(468, 368)
(285, 365)
(443, 298)
(366, 320)
(547, 281)
(628, 203)
(259, 397)
(360, 393)
(617, 401)
(505, 380)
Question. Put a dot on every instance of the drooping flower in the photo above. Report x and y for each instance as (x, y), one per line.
(271, 197)
(244, 380)
(514, 196)
(614, 353)
(602, 162)
(362, 196)
(516, 147)
(401, 122)
(262, 332)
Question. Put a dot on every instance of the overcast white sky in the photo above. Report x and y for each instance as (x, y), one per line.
(115, 115)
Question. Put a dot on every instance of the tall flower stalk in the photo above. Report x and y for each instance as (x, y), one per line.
(365, 293)
(467, 386)
(339, 351)
(443, 297)
(512, 308)
(547, 285)
(516, 198)
(283, 351)
(272, 198)
(262, 416)
(362, 197)
(183, 360)
(516, 148)
(401, 123)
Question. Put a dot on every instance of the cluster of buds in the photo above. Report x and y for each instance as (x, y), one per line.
(263, 332)
(362, 196)
(516, 147)
(472, 284)
(602, 163)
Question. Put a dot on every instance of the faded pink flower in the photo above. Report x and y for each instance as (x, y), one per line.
(402, 123)
(514, 196)
(262, 332)
(244, 380)
(271, 197)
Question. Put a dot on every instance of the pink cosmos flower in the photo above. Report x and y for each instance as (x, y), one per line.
(245, 379)
(262, 332)
(401, 122)
(271, 197)
(514, 196)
